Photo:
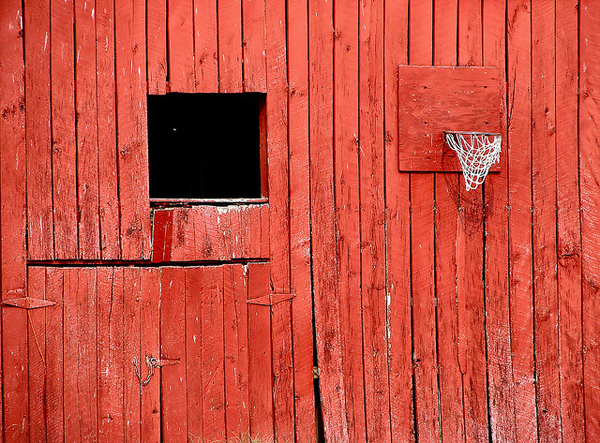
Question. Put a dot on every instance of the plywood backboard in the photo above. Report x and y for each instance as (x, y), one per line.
(434, 99)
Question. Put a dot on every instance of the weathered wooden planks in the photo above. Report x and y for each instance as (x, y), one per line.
(181, 45)
(398, 282)
(519, 222)
(568, 224)
(14, 225)
(590, 222)
(501, 388)
(209, 233)
(543, 147)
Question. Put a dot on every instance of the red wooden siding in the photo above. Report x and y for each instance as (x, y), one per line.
(216, 386)
(439, 314)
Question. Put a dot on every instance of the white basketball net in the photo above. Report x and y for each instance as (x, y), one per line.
(477, 152)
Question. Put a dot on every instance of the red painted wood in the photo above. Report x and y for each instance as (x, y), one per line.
(254, 45)
(37, 356)
(206, 57)
(347, 190)
(40, 238)
(173, 379)
(181, 45)
(501, 388)
(157, 45)
(422, 250)
(325, 277)
(588, 162)
(110, 235)
(209, 233)
(398, 234)
(110, 354)
(300, 278)
(278, 182)
(55, 430)
(132, 350)
(150, 298)
(519, 222)
(193, 346)
(568, 228)
(213, 346)
(470, 271)
(80, 364)
(130, 38)
(260, 374)
(13, 227)
(235, 294)
(64, 146)
(229, 19)
(432, 100)
(544, 218)
(446, 217)
(372, 221)
(86, 108)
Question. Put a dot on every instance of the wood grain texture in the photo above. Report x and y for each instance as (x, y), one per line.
(80, 381)
(347, 191)
(206, 55)
(173, 380)
(108, 186)
(210, 233)
(300, 276)
(150, 303)
(86, 110)
(520, 218)
(422, 254)
(470, 251)
(132, 342)
(55, 430)
(323, 224)
(590, 222)
(193, 352)
(40, 234)
(110, 354)
(446, 218)
(398, 281)
(156, 39)
(229, 19)
(132, 139)
(543, 140)
(181, 45)
(260, 375)
(14, 223)
(568, 224)
(254, 45)
(36, 288)
(435, 99)
(64, 142)
(213, 345)
(279, 213)
(372, 220)
(501, 388)
(235, 332)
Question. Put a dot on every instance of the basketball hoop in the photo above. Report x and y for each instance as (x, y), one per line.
(477, 152)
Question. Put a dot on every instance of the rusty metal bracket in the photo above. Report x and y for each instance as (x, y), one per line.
(151, 363)
(28, 303)
(271, 299)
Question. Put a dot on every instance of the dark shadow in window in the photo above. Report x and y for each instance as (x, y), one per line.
(206, 145)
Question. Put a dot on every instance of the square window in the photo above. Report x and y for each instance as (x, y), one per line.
(207, 146)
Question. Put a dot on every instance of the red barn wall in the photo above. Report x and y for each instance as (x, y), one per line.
(439, 313)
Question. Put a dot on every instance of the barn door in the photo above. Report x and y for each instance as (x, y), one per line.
(150, 354)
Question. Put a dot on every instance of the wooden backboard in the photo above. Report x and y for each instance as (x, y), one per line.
(433, 99)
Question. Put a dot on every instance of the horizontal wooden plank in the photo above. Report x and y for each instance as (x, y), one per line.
(210, 233)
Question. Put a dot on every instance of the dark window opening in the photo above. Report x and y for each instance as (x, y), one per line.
(207, 146)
